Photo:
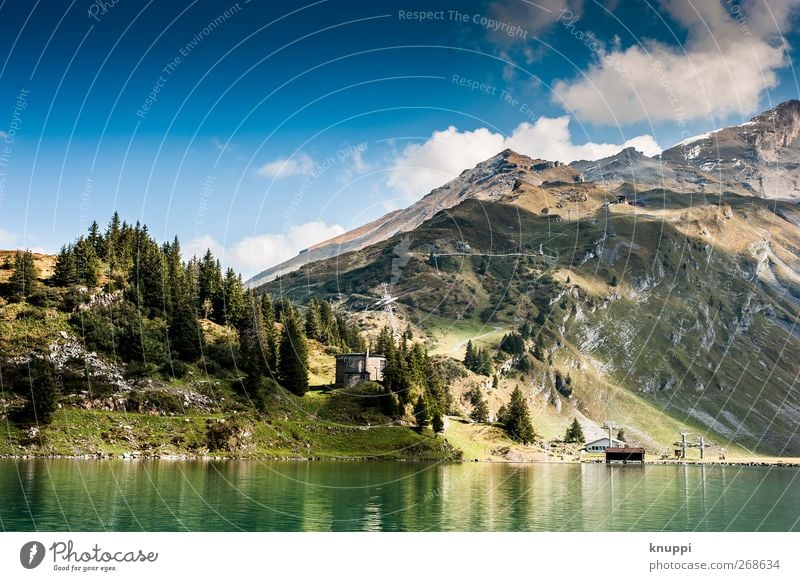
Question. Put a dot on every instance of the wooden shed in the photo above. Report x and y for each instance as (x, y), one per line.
(625, 455)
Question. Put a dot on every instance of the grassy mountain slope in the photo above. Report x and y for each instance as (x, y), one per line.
(676, 314)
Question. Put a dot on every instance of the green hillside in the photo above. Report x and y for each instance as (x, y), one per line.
(677, 313)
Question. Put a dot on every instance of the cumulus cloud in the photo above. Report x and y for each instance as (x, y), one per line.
(421, 167)
(300, 164)
(253, 254)
(731, 57)
(197, 247)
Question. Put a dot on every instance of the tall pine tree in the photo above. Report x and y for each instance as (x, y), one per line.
(23, 279)
(517, 419)
(87, 264)
(293, 358)
(421, 413)
(253, 340)
(270, 335)
(66, 270)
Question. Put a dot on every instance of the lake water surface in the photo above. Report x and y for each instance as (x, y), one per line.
(161, 495)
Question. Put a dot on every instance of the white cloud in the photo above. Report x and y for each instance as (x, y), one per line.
(551, 139)
(421, 167)
(730, 59)
(533, 17)
(300, 164)
(198, 246)
(358, 163)
(253, 254)
(8, 240)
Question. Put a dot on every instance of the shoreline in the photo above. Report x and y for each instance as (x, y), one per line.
(760, 463)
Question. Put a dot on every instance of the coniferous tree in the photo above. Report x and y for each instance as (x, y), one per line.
(327, 321)
(253, 340)
(270, 335)
(437, 422)
(574, 432)
(23, 279)
(293, 353)
(513, 344)
(469, 357)
(524, 364)
(41, 389)
(229, 304)
(392, 373)
(480, 409)
(436, 387)
(384, 344)
(484, 364)
(417, 365)
(95, 238)
(175, 277)
(185, 335)
(113, 242)
(478, 360)
(353, 340)
(87, 264)
(421, 414)
(209, 285)
(152, 275)
(313, 322)
(191, 276)
(66, 270)
(517, 420)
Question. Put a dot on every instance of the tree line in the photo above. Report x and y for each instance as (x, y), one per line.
(141, 304)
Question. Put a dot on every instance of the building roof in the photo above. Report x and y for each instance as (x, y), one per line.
(625, 450)
(360, 355)
(603, 438)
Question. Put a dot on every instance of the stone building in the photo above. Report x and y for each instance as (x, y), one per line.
(353, 368)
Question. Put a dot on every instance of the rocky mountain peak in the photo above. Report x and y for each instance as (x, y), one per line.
(760, 157)
(777, 128)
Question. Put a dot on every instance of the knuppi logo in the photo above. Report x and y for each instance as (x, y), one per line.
(31, 554)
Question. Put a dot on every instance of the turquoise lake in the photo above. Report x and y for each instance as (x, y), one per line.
(162, 495)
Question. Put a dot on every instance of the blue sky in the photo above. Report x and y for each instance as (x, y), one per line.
(258, 128)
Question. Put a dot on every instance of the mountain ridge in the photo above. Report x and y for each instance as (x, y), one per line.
(759, 158)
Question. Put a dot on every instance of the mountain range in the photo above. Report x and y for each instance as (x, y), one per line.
(760, 158)
(661, 294)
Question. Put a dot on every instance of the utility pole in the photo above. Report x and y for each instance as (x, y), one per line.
(702, 447)
(610, 426)
(683, 445)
